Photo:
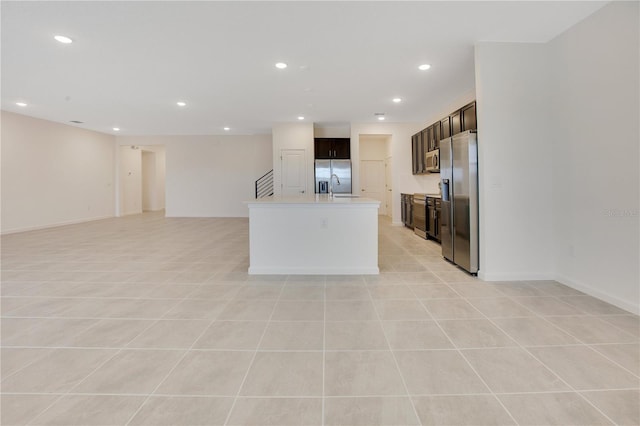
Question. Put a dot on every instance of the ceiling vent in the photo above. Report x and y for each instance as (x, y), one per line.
(76, 122)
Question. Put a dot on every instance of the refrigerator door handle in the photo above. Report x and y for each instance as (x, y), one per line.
(445, 190)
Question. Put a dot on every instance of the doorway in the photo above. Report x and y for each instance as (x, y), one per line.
(294, 176)
(372, 181)
(142, 179)
(375, 170)
(153, 179)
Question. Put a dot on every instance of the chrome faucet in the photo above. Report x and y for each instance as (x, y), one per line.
(331, 184)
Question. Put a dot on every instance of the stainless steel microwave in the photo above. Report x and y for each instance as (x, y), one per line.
(432, 161)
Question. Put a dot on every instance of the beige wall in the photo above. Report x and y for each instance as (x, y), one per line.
(400, 152)
(596, 150)
(559, 164)
(514, 161)
(293, 136)
(208, 176)
(54, 174)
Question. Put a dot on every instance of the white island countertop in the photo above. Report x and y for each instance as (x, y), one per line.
(338, 199)
(313, 234)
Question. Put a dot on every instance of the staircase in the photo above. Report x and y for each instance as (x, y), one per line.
(264, 185)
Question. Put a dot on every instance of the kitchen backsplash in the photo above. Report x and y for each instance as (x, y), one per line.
(430, 183)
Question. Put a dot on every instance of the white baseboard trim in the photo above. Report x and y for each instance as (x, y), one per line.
(54, 225)
(312, 271)
(634, 308)
(512, 276)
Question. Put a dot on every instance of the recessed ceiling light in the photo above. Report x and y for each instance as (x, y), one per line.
(226, 129)
(300, 118)
(181, 103)
(21, 104)
(397, 100)
(63, 39)
(381, 117)
(424, 67)
(281, 65)
(116, 129)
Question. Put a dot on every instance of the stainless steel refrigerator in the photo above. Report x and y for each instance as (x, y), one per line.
(459, 215)
(333, 173)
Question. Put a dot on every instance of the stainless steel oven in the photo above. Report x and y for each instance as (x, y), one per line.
(420, 215)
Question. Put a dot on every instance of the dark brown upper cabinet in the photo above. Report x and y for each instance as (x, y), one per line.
(332, 148)
(422, 140)
(429, 139)
(469, 119)
(414, 154)
(418, 148)
(456, 123)
(445, 128)
(436, 135)
(431, 136)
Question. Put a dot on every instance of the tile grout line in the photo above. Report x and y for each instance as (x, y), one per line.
(324, 347)
(168, 349)
(255, 354)
(470, 365)
(48, 349)
(95, 369)
(548, 368)
(582, 342)
(181, 395)
(186, 352)
(220, 273)
(395, 360)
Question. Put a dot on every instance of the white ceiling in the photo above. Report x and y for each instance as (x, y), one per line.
(132, 61)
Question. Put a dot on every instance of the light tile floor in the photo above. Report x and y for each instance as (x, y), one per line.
(147, 320)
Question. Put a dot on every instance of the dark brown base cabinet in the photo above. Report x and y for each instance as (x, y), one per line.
(433, 218)
(429, 139)
(406, 205)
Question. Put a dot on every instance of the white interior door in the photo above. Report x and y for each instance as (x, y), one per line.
(388, 187)
(294, 176)
(372, 178)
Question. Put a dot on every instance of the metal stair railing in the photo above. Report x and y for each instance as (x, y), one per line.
(264, 185)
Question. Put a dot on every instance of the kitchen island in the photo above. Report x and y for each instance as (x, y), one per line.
(313, 235)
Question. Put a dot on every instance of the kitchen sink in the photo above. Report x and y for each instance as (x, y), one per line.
(345, 196)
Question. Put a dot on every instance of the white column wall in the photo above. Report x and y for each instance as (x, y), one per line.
(515, 161)
(292, 136)
(595, 92)
(559, 156)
